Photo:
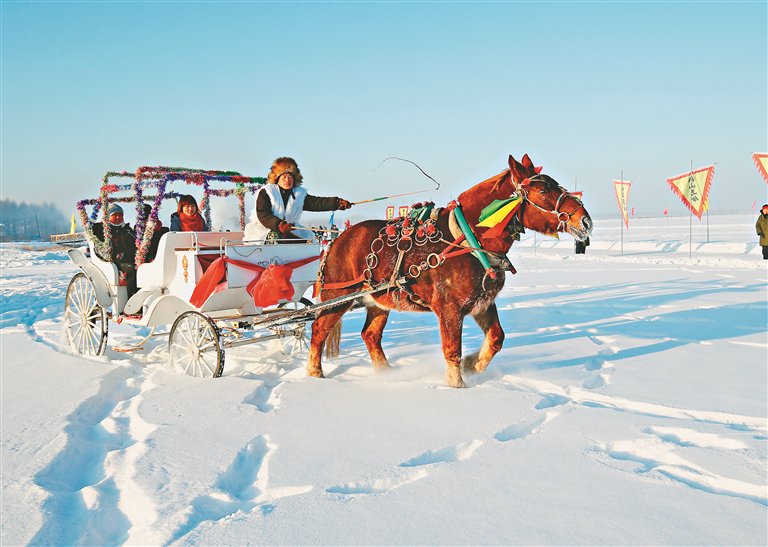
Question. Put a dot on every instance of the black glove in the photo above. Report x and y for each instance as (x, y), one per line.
(344, 204)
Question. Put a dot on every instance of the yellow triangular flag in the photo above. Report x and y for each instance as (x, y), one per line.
(621, 187)
(693, 189)
(761, 160)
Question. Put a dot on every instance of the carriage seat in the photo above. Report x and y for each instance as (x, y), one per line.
(161, 271)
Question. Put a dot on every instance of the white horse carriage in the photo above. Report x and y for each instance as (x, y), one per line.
(203, 323)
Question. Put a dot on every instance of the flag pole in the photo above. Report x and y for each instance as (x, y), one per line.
(621, 215)
(707, 220)
(690, 223)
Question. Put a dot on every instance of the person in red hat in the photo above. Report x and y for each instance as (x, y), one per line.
(762, 229)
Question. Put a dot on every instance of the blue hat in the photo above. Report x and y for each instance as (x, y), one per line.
(114, 208)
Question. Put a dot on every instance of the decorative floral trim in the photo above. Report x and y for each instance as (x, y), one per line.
(147, 177)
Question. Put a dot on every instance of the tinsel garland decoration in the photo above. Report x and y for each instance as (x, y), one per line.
(158, 177)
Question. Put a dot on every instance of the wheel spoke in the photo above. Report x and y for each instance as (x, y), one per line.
(83, 291)
(202, 332)
(189, 335)
(209, 345)
(189, 363)
(76, 300)
(185, 335)
(204, 362)
(89, 336)
(81, 346)
(75, 341)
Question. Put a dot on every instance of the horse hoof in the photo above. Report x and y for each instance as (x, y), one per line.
(455, 380)
(381, 366)
(469, 362)
(315, 373)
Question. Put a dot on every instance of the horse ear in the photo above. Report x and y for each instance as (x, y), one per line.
(528, 164)
(517, 171)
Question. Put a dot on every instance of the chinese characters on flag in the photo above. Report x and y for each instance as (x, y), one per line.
(390, 212)
(621, 187)
(693, 188)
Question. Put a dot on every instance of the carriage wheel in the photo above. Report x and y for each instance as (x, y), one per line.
(85, 321)
(194, 346)
(297, 341)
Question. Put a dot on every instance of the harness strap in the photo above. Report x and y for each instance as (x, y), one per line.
(344, 284)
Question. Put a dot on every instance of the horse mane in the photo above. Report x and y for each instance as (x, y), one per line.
(481, 194)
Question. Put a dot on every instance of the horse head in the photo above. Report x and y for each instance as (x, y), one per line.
(546, 206)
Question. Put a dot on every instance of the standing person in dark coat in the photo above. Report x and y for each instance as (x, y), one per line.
(762, 229)
(123, 246)
(280, 202)
(581, 246)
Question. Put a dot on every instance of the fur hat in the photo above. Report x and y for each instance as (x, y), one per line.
(284, 165)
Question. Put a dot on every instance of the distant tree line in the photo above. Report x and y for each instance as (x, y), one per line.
(30, 221)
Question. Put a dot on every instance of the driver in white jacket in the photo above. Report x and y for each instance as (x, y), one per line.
(280, 202)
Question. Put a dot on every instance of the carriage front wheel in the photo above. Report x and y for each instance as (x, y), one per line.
(194, 346)
(85, 322)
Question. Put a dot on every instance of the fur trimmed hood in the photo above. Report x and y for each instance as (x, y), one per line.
(284, 165)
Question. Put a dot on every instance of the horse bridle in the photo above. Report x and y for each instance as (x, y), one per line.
(562, 216)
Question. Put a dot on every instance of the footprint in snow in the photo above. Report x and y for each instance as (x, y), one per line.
(242, 487)
(657, 454)
(265, 397)
(409, 471)
(525, 428)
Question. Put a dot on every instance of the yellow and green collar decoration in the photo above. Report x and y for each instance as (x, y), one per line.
(497, 215)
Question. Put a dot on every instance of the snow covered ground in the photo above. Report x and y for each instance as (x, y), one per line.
(628, 406)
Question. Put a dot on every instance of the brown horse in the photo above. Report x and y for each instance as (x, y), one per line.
(439, 275)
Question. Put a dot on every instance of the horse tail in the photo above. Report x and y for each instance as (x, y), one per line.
(333, 341)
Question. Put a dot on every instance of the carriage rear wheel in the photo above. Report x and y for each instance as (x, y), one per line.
(194, 346)
(85, 322)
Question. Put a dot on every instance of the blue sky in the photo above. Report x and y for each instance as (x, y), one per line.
(588, 89)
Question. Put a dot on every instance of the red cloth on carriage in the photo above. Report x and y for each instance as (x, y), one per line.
(268, 286)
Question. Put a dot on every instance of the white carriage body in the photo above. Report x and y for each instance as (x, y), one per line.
(166, 284)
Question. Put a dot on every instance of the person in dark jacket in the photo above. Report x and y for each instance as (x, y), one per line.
(280, 202)
(581, 246)
(156, 234)
(123, 246)
(762, 229)
(188, 217)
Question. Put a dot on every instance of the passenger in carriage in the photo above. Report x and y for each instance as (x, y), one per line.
(280, 202)
(188, 217)
(123, 246)
(156, 234)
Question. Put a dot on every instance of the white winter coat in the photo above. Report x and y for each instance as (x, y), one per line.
(291, 213)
